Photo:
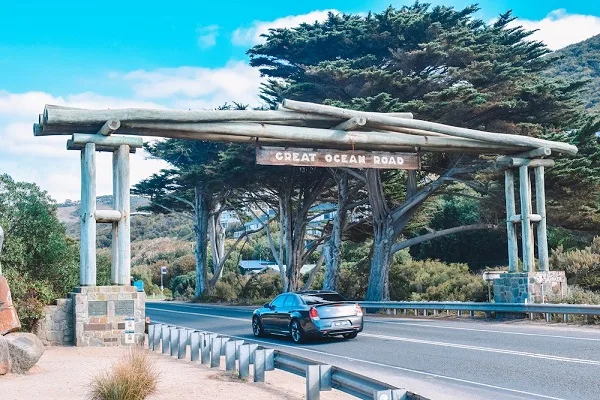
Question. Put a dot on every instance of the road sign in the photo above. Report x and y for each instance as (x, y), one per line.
(163, 270)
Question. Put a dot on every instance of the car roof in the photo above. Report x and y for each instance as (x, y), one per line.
(316, 292)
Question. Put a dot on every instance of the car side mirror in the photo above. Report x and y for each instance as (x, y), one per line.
(267, 305)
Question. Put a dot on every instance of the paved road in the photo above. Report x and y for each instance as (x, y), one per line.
(439, 359)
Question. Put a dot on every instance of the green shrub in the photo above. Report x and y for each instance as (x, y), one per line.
(29, 297)
(582, 267)
(134, 377)
(264, 285)
(184, 286)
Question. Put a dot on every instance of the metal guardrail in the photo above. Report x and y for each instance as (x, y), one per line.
(514, 308)
(208, 348)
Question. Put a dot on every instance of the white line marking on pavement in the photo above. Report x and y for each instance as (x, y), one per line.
(481, 330)
(379, 364)
(488, 349)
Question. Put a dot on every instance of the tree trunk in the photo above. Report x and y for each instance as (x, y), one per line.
(383, 236)
(202, 211)
(216, 234)
(332, 248)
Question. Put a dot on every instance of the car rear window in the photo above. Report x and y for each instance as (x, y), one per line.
(319, 298)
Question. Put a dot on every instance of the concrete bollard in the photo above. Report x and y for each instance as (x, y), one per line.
(174, 341)
(183, 339)
(230, 356)
(194, 346)
(390, 394)
(244, 369)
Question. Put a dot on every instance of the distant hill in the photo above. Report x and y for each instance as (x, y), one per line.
(582, 61)
(142, 227)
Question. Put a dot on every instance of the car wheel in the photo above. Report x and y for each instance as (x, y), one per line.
(257, 328)
(296, 332)
(350, 335)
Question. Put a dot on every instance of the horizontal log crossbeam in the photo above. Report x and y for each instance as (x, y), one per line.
(108, 216)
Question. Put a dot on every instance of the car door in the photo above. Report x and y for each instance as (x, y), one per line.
(284, 316)
(270, 317)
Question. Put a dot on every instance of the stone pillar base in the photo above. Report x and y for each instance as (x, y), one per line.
(530, 287)
(108, 315)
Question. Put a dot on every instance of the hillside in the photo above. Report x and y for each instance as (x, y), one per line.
(581, 61)
(142, 227)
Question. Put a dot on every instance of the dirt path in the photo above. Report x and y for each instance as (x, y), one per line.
(66, 373)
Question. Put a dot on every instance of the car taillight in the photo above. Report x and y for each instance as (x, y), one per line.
(313, 313)
(359, 311)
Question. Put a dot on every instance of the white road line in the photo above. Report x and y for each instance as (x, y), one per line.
(382, 364)
(429, 342)
(487, 349)
(481, 330)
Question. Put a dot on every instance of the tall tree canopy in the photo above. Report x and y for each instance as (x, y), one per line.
(442, 64)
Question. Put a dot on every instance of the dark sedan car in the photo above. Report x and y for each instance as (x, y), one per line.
(313, 313)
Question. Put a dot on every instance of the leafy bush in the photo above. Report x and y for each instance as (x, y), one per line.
(29, 297)
(264, 285)
(134, 377)
(582, 267)
(184, 286)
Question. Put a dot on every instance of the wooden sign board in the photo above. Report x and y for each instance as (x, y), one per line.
(335, 158)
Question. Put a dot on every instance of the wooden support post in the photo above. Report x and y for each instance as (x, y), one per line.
(114, 271)
(526, 228)
(87, 253)
(540, 208)
(511, 230)
(123, 226)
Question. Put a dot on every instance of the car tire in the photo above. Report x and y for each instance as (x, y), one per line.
(350, 335)
(296, 332)
(257, 328)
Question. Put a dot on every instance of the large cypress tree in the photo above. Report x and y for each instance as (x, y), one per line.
(440, 63)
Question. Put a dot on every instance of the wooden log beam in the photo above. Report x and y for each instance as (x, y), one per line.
(124, 224)
(107, 216)
(512, 162)
(526, 228)
(114, 248)
(536, 153)
(517, 219)
(101, 148)
(83, 138)
(303, 136)
(352, 124)
(540, 207)
(491, 137)
(511, 230)
(87, 273)
(56, 115)
(109, 127)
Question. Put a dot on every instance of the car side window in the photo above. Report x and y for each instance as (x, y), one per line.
(291, 301)
(279, 300)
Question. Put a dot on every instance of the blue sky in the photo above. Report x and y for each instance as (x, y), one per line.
(179, 54)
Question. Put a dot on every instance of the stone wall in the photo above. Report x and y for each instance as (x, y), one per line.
(530, 287)
(56, 327)
(108, 315)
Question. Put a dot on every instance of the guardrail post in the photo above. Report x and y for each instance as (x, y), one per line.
(325, 377)
(224, 341)
(395, 311)
(565, 318)
(312, 382)
(548, 317)
(215, 352)
(194, 346)
(205, 345)
(459, 313)
(151, 329)
(174, 341)
(472, 314)
(230, 356)
(166, 339)
(269, 360)
(259, 366)
(183, 339)
(156, 337)
(244, 369)
(253, 348)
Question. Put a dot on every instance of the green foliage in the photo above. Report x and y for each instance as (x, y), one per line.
(582, 267)
(183, 286)
(40, 262)
(261, 286)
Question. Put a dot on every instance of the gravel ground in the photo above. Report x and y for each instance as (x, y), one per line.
(66, 373)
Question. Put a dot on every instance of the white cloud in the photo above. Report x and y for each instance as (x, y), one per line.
(560, 29)
(207, 36)
(244, 36)
(184, 86)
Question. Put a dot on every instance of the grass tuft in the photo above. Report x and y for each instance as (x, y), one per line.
(133, 377)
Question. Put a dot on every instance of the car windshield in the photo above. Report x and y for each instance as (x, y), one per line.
(319, 298)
